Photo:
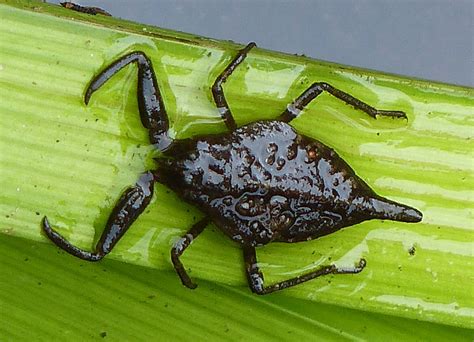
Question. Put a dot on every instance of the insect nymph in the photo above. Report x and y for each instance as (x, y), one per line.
(259, 183)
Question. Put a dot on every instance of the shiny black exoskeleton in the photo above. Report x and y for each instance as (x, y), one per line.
(259, 183)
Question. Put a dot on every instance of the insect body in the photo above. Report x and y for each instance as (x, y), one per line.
(84, 9)
(259, 183)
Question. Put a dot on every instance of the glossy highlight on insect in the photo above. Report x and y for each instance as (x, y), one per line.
(259, 183)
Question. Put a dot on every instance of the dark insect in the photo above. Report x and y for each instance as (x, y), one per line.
(84, 9)
(258, 183)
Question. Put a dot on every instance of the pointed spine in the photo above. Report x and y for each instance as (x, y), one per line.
(386, 209)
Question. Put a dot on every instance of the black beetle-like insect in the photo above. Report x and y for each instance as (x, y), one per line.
(259, 183)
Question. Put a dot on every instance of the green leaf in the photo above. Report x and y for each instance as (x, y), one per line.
(48, 295)
(70, 162)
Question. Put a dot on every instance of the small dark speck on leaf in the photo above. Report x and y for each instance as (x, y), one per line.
(26, 259)
(412, 250)
(37, 213)
(57, 140)
(39, 283)
(103, 334)
(151, 296)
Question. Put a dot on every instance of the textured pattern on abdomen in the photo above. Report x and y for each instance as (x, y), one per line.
(265, 182)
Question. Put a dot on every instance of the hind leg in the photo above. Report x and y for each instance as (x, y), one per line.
(294, 109)
(150, 103)
(132, 203)
(218, 91)
(255, 276)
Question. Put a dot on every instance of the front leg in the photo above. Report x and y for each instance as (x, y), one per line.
(150, 102)
(132, 203)
(255, 276)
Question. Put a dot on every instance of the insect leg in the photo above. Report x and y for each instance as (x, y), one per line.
(132, 203)
(150, 103)
(218, 92)
(181, 245)
(293, 109)
(255, 276)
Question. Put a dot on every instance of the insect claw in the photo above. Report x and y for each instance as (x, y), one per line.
(392, 114)
(362, 264)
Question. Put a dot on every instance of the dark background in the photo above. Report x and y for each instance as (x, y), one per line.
(430, 39)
